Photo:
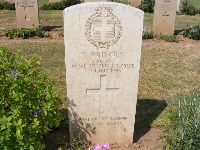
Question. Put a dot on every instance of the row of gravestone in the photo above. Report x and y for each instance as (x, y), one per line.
(13, 1)
(164, 15)
(134, 3)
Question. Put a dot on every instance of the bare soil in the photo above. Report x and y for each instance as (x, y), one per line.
(144, 139)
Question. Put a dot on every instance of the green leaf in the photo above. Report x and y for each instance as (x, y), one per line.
(18, 133)
(31, 147)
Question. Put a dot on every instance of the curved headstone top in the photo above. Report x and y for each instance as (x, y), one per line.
(102, 56)
(113, 4)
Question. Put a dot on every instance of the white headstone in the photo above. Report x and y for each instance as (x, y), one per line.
(164, 17)
(27, 13)
(102, 54)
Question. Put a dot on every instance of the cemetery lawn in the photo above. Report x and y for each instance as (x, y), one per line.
(167, 69)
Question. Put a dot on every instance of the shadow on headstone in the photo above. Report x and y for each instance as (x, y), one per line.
(85, 129)
(146, 112)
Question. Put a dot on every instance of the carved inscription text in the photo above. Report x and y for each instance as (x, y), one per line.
(26, 4)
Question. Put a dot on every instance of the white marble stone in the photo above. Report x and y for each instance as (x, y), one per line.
(102, 55)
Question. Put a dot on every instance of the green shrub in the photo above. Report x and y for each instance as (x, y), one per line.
(147, 34)
(25, 33)
(188, 9)
(59, 5)
(147, 6)
(192, 32)
(7, 6)
(120, 1)
(28, 100)
(184, 134)
(169, 38)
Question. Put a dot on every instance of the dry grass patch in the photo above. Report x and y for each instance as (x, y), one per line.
(167, 68)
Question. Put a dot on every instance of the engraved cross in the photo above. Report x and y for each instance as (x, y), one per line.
(103, 92)
(25, 4)
(165, 15)
(103, 29)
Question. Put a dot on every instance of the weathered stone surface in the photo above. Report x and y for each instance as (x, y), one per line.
(134, 3)
(164, 17)
(102, 55)
(27, 13)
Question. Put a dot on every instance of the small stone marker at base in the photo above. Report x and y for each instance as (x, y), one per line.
(27, 13)
(164, 17)
(102, 55)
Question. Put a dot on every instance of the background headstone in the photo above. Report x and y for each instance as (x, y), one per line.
(134, 3)
(164, 17)
(102, 55)
(27, 13)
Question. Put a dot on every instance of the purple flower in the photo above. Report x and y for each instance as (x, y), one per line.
(37, 111)
(98, 147)
(14, 73)
(106, 146)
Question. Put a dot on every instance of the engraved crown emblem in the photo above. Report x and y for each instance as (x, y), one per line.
(103, 29)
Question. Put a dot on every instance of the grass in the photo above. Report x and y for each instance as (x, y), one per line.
(182, 21)
(158, 76)
(47, 18)
(54, 18)
(167, 69)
